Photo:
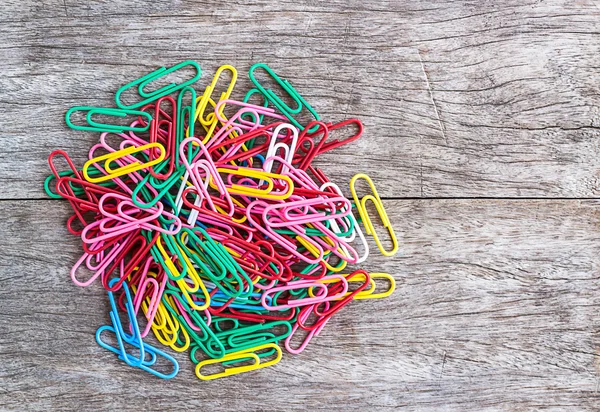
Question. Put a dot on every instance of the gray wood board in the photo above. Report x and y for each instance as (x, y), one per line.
(459, 99)
(495, 308)
(496, 300)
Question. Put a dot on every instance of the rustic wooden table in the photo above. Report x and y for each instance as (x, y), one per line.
(482, 133)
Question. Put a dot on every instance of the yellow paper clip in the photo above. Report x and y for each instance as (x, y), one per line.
(340, 266)
(165, 326)
(175, 330)
(362, 210)
(210, 121)
(192, 274)
(366, 293)
(123, 170)
(370, 293)
(268, 177)
(243, 355)
(358, 278)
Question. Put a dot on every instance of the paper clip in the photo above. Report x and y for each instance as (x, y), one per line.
(276, 100)
(267, 192)
(94, 126)
(306, 284)
(366, 293)
(148, 349)
(337, 142)
(241, 356)
(123, 170)
(356, 226)
(211, 120)
(370, 294)
(362, 210)
(143, 81)
(274, 146)
(303, 317)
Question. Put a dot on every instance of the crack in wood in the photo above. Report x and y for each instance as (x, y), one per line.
(437, 113)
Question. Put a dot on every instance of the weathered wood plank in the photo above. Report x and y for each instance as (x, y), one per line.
(496, 308)
(459, 99)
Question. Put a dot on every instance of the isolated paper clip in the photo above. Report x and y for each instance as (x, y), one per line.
(143, 81)
(123, 170)
(240, 356)
(362, 210)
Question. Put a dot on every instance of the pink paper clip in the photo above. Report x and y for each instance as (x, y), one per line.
(157, 290)
(303, 317)
(109, 227)
(211, 174)
(321, 296)
(308, 215)
(247, 108)
(103, 264)
(290, 247)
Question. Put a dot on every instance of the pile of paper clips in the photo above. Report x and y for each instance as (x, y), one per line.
(219, 230)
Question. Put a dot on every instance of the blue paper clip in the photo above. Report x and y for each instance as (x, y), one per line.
(148, 362)
(134, 339)
(148, 349)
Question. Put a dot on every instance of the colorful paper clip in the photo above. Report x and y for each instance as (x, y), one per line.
(277, 101)
(362, 210)
(142, 83)
(94, 126)
(239, 357)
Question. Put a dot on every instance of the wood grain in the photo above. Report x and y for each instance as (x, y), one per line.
(459, 99)
(496, 305)
(495, 309)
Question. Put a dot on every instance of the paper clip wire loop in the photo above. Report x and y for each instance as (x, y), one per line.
(362, 210)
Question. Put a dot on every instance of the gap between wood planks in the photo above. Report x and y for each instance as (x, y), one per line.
(384, 198)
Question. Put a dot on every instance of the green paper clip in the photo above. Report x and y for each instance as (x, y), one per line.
(94, 126)
(143, 81)
(276, 100)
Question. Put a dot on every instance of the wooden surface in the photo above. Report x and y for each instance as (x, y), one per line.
(482, 135)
